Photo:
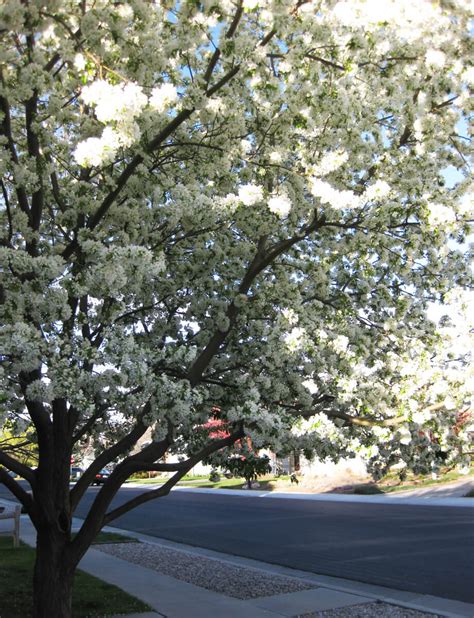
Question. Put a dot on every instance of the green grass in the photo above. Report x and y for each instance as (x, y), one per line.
(387, 485)
(159, 480)
(392, 484)
(266, 483)
(91, 596)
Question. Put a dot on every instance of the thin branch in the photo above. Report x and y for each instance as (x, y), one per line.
(89, 423)
(223, 81)
(8, 209)
(16, 466)
(364, 421)
(325, 62)
(117, 449)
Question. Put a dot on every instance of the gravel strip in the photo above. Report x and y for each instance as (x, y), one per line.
(370, 610)
(209, 573)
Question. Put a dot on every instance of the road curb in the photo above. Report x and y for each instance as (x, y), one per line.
(455, 502)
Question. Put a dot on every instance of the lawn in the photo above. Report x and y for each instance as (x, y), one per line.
(162, 479)
(91, 597)
(266, 482)
(391, 483)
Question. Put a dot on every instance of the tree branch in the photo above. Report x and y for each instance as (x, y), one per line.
(16, 466)
(95, 517)
(229, 34)
(10, 146)
(186, 466)
(104, 458)
(258, 264)
(364, 421)
(23, 496)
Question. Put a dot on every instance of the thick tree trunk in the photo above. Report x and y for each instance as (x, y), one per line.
(53, 576)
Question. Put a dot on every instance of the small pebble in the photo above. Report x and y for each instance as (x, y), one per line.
(241, 582)
(370, 610)
(215, 575)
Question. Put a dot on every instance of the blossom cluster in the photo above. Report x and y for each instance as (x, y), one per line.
(118, 106)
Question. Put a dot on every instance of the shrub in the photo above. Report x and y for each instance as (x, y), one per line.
(367, 489)
(249, 467)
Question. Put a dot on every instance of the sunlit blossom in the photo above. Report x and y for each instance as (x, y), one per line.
(279, 205)
(250, 194)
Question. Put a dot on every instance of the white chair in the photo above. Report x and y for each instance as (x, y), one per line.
(10, 521)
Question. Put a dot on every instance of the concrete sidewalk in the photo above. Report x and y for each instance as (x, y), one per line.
(173, 598)
(443, 491)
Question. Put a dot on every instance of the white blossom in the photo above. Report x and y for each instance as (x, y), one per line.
(280, 205)
(290, 316)
(99, 90)
(311, 385)
(330, 162)
(294, 339)
(335, 198)
(250, 194)
(468, 75)
(125, 11)
(405, 436)
(80, 62)
(246, 146)
(440, 214)
(163, 97)
(94, 151)
(435, 58)
(121, 102)
(251, 4)
(340, 343)
(376, 191)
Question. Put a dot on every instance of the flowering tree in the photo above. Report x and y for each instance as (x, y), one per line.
(238, 204)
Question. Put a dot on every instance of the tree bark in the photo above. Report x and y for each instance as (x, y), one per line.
(53, 575)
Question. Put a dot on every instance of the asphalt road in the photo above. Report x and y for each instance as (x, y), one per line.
(416, 548)
(422, 549)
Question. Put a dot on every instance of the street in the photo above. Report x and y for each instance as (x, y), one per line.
(425, 549)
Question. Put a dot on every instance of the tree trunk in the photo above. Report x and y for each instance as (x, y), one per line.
(53, 576)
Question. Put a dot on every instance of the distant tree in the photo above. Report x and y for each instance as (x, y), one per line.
(249, 467)
(233, 203)
(19, 443)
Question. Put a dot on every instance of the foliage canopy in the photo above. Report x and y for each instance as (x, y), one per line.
(232, 204)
